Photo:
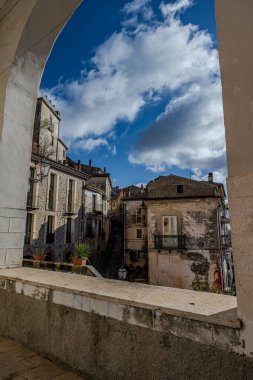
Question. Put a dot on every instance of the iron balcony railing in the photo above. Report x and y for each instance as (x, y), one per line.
(169, 242)
(97, 208)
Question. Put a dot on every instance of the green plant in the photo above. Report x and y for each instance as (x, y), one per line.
(81, 251)
(40, 251)
(206, 287)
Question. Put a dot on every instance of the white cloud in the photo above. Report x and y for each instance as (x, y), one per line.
(218, 176)
(141, 184)
(171, 8)
(90, 144)
(189, 134)
(135, 68)
(135, 6)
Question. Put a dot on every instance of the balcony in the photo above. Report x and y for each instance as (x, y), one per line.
(95, 209)
(32, 201)
(169, 242)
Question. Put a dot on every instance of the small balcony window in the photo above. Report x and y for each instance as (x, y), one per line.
(50, 230)
(28, 229)
(139, 233)
(69, 232)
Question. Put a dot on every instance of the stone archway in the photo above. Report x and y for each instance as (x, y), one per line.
(28, 31)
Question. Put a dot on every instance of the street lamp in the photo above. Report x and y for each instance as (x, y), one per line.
(41, 170)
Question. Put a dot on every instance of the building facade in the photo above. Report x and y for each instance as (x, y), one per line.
(62, 208)
(178, 227)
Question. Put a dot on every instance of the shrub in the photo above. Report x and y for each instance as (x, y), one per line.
(40, 251)
(81, 250)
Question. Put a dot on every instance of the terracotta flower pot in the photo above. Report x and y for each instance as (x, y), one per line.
(79, 261)
(38, 258)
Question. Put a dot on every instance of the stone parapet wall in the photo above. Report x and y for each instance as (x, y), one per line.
(109, 330)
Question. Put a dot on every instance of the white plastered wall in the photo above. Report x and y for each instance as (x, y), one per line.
(28, 29)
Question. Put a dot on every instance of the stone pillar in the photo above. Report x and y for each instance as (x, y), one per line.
(28, 29)
(235, 30)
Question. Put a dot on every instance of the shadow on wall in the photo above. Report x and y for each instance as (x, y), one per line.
(58, 242)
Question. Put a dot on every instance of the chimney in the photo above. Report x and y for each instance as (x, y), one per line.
(79, 165)
(90, 165)
(210, 177)
(105, 169)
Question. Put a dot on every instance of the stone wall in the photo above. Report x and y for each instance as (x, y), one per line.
(167, 187)
(28, 32)
(197, 261)
(59, 247)
(103, 337)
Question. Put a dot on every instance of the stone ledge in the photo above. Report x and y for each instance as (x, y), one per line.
(199, 316)
(214, 308)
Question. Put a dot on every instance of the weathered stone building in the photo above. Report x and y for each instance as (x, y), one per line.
(62, 208)
(181, 334)
(176, 227)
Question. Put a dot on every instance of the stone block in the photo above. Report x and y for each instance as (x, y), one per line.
(63, 298)
(240, 186)
(11, 240)
(14, 257)
(2, 256)
(82, 303)
(17, 225)
(116, 311)
(99, 307)
(4, 224)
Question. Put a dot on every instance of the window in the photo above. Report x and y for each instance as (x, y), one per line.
(50, 230)
(94, 202)
(52, 140)
(138, 219)
(69, 231)
(89, 231)
(51, 195)
(99, 228)
(70, 207)
(50, 123)
(139, 233)
(180, 189)
(170, 234)
(28, 228)
(30, 193)
(64, 153)
(170, 225)
(140, 255)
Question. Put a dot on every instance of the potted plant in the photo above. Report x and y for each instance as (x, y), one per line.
(39, 254)
(80, 254)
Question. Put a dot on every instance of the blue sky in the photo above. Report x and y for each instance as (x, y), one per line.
(137, 84)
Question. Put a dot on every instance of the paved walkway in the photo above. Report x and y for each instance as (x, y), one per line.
(19, 363)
